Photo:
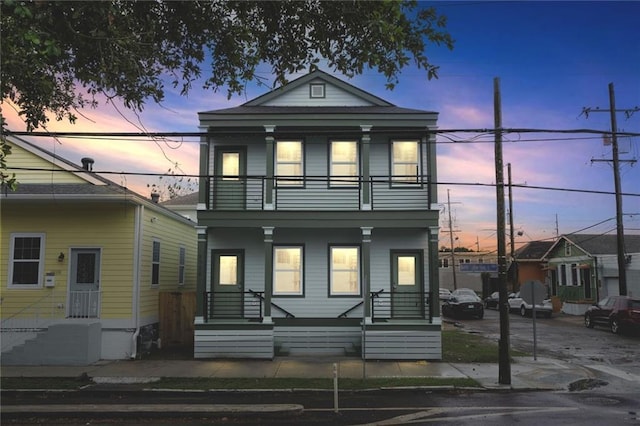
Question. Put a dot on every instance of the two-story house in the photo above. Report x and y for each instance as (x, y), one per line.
(318, 226)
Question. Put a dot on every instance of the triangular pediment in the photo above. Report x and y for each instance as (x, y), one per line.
(318, 89)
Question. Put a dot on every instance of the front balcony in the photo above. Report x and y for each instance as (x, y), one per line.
(318, 193)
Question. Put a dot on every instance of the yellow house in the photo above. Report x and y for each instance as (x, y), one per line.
(83, 261)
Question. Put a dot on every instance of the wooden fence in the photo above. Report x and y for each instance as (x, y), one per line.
(177, 313)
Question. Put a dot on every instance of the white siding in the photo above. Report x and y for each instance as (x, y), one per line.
(334, 96)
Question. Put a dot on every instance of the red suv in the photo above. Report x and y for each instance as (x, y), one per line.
(619, 313)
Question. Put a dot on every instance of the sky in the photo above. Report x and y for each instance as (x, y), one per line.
(553, 59)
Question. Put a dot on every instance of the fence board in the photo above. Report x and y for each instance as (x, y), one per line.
(177, 313)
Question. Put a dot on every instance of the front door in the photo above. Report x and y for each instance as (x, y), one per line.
(230, 180)
(407, 298)
(228, 284)
(84, 283)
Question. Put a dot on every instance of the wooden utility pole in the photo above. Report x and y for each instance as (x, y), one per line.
(512, 251)
(622, 263)
(504, 367)
(453, 256)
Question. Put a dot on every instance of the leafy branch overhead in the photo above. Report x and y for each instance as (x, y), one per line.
(57, 56)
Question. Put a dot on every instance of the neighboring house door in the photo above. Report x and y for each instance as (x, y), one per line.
(407, 298)
(84, 283)
(228, 284)
(229, 191)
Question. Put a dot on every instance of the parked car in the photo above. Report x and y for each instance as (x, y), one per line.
(517, 304)
(445, 294)
(493, 301)
(463, 305)
(459, 291)
(619, 313)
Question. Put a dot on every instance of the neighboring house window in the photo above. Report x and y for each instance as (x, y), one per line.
(287, 270)
(26, 260)
(405, 164)
(344, 271)
(317, 90)
(289, 163)
(574, 274)
(444, 263)
(562, 276)
(567, 248)
(182, 254)
(155, 264)
(343, 163)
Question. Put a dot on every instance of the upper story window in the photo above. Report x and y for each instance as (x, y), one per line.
(26, 260)
(289, 163)
(405, 162)
(317, 90)
(343, 163)
(287, 271)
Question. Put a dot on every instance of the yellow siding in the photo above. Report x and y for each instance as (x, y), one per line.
(171, 234)
(21, 158)
(108, 227)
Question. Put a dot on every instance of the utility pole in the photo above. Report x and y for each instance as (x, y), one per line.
(622, 264)
(453, 256)
(504, 367)
(512, 256)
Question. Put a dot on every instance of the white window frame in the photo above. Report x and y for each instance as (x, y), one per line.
(332, 291)
(342, 180)
(300, 271)
(155, 263)
(182, 259)
(403, 180)
(12, 260)
(317, 91)
(298, 180)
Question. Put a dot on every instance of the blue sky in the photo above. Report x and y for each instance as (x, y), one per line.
(552, 58)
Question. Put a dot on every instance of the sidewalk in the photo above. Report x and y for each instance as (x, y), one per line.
(526, 373)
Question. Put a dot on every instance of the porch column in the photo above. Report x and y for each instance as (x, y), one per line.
(204, 188)
(366, 174)
(434, 275)
(269, 182)
(201, 281)
(268, 271)
(366, 272)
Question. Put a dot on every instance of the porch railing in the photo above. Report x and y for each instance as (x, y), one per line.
(233, 305)
(85, 304)
(401, 305)
(319, 193)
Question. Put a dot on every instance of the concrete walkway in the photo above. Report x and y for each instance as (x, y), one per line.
(526, 373)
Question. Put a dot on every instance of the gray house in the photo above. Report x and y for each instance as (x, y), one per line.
(318, 226)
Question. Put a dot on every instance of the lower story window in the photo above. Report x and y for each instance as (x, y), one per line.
(344, 271)
(27, 260)
(287, 271)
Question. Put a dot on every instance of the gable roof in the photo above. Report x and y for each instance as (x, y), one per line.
(266, 105)
(603, 244)
(318, 75)
(533, 251)
(95, 188)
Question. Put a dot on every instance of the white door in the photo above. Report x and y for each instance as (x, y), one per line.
(84, 283)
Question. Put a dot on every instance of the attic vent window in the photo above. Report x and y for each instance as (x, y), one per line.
(316, 90)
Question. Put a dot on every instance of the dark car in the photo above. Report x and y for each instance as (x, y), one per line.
(463, 305)
(619, 313)
(492, 301)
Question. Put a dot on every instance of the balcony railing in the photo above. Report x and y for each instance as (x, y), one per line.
(401, 305)
(319, 193)
(85, 304)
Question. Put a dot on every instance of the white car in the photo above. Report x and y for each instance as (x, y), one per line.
(516, 304)
(445, 294)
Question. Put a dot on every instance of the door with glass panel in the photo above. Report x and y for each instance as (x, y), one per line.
(229, 192)
(407, 298)
(84, 283)
(227, 280)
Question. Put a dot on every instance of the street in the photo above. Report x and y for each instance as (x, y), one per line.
(611, 397)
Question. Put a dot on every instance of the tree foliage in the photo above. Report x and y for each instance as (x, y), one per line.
(58, 56)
